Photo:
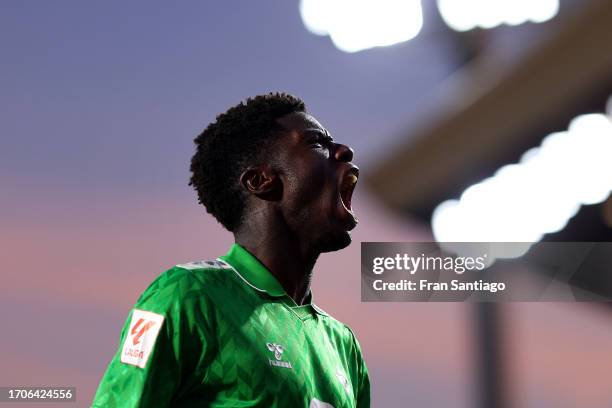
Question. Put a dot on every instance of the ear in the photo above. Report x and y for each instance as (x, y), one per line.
(260, 180)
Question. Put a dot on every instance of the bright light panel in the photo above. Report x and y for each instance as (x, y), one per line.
(356, 25)
(521, 202)
(463, 15)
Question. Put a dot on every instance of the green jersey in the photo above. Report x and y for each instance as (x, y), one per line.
(224, 333)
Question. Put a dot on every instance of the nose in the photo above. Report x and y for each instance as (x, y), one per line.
(343, 153)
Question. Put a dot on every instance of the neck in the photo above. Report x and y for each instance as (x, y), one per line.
(289, 260)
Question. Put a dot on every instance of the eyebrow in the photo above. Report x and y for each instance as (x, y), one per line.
(321, 132)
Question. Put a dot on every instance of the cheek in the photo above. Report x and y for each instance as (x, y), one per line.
(315, 183)
(309, 187)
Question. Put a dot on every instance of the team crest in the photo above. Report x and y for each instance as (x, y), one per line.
(315, 403)
(344, 381)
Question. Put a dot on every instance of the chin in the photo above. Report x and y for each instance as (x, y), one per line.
(335, 241)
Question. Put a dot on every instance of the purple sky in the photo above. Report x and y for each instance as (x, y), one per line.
(111, 94)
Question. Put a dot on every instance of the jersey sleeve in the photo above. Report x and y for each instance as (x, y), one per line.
(150, 368)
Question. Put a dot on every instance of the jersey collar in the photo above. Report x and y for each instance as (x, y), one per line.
(256, 275)
(252, 271)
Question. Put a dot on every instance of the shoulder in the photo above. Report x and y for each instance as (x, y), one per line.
(339, 329)
(203, 265)
(184, 281)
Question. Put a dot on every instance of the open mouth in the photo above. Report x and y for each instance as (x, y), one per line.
(349, 181)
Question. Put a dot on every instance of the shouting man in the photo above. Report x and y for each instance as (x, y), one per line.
(242, 330)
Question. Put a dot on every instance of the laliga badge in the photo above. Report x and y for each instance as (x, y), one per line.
(140, 339)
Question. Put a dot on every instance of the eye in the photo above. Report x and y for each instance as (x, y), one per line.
(316, 143)
(321, 142)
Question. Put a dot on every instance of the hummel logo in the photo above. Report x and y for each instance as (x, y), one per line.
(278, 350)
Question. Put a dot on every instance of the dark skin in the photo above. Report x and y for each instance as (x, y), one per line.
(295, 208)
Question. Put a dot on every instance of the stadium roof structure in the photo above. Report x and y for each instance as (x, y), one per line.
(491, 115)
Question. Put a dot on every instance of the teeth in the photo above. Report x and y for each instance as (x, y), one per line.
(346, 207)
(352, 178)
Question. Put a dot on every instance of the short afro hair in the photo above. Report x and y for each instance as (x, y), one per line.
(235, 140)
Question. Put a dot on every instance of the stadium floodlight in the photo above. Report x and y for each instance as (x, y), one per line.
(356, 25)
(464, 15)
(523, 201)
